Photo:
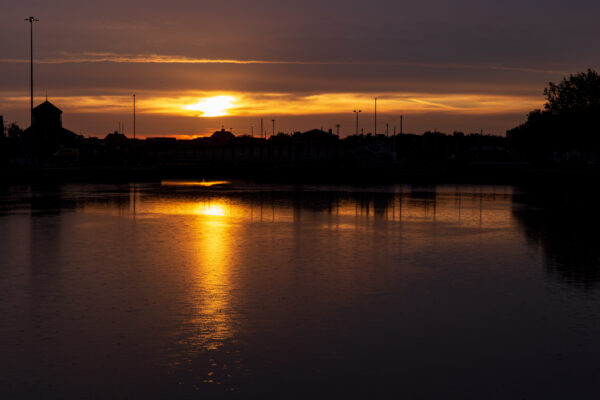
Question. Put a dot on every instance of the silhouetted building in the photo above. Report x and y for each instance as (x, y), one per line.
(47, 115)
(47, 133)
(116, 140)
(222, 137)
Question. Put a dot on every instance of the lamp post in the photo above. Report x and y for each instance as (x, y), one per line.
(401, 131)
(356, 112)
(134, 116)
(375, 127)
(31, 20)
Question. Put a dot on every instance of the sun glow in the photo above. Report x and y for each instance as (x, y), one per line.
(216, 210)
(215, 106)
(194, 183)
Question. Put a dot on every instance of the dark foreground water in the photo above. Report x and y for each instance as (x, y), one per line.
(187, 290)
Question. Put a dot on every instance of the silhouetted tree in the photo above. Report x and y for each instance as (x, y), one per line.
(579, 93)
(569, 125)
(14, 131)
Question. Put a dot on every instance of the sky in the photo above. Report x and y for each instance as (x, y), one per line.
(459, 65)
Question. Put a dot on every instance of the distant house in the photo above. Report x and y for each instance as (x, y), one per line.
(47, 129)
(47, 115)
(222, 137)
(116, 140)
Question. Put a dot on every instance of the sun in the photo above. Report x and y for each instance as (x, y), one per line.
(215, 106)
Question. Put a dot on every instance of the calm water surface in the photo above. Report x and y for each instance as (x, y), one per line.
(244, 291)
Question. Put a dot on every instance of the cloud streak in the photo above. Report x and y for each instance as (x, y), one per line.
(109, 57)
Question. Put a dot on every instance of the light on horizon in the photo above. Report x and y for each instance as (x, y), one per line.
(216, 106)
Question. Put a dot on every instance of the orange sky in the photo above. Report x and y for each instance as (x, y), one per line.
(242, 110)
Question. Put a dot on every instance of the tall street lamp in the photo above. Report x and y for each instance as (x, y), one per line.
(31, 20)
(356, 112)
(134, 115)
(375, 127)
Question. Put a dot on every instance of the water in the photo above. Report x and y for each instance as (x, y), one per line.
(235, 290)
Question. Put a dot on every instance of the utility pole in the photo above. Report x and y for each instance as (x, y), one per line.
(356, 112)
(134, 116)
(31, 21)
(261, 128)
(252, 130)
(394, 144)
(375, 127)
(273, 127)
(387, 129)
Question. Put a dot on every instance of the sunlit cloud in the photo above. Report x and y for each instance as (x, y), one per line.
(243, 104)
(109, 57)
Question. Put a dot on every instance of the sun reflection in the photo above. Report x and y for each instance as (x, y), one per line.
(211, 209)
(212, 301)
(195, 183)
(215, 106)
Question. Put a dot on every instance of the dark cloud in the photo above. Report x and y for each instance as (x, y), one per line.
(109, 78)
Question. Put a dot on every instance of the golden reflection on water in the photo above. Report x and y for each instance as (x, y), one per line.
(218, 210)
(209, 225)
(479, 207)
(211, 278)
(194, 183)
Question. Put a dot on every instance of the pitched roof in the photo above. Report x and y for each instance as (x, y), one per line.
(47, 107)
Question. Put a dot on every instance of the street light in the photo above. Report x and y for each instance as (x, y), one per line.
(357, 111)
(134, 115)
(31, 20)
(375, 127)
